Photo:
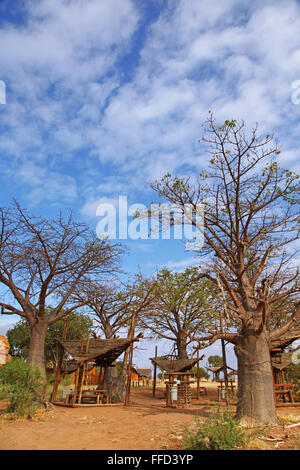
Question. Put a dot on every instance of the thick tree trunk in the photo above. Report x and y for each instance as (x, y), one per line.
(36, 355)
(111, 380)
(256, 403)
(181, 347)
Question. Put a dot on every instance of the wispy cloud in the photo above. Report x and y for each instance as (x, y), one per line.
(70, 112)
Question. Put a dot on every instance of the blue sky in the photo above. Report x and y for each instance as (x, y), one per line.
(103, 97)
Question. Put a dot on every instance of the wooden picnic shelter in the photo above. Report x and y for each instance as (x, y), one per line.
(178, 381)
(100, 352)
(217, 371)
(222, 382)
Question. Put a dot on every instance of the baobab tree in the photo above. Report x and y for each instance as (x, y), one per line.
(42, 262)
(250, 228)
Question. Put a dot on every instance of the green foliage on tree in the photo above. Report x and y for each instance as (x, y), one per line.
(202, 372)
(182, 308)
(215, 361)
(19, 336)
(20, 383)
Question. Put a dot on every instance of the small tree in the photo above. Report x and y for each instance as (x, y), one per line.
(19, 336)
(202, 372)
(181, 307)
(215, 361)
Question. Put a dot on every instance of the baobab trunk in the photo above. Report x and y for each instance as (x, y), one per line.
(256, 404)
(36, 355)
(181, 347)
(121, 380)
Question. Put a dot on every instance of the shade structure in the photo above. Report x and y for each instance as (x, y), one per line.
(70, 368)
(286, 340)
(103, 351)
(219, 369)
(143, 372)
(174, 365)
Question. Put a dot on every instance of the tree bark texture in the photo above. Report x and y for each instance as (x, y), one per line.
(256, 402)
(36, 355)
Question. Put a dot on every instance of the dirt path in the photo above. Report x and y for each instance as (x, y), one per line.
(146, 424)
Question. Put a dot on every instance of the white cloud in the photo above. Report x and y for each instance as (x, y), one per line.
(45, 184)
(55, 68)
(67, 100)
(189, 66)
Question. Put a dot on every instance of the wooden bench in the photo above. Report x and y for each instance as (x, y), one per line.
(99, 395)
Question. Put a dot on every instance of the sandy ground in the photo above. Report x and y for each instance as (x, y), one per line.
(145, 424)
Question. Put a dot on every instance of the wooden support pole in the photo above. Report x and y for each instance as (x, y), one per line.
(59, 363)
(224, 362)
(57, 373)
(100, 378)
(223, 341)
(87, 344)
(128, 385)
(81, 381)
(225, 372)
(82, 344)
(154, 374)
(75, 385)
(198, 376)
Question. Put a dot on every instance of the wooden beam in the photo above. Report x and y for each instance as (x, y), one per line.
(76, 384)
(198, 376)
(87, 344)
(82, 344)
(224, 362)
(128, 385)
(59, 362)
(81, 380)
(154, 374)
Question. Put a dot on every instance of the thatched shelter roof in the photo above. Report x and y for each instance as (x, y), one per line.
(219, 369)
(72, 367)
(174, 365)
(143, 372)
(286, 340)
(103, 351)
